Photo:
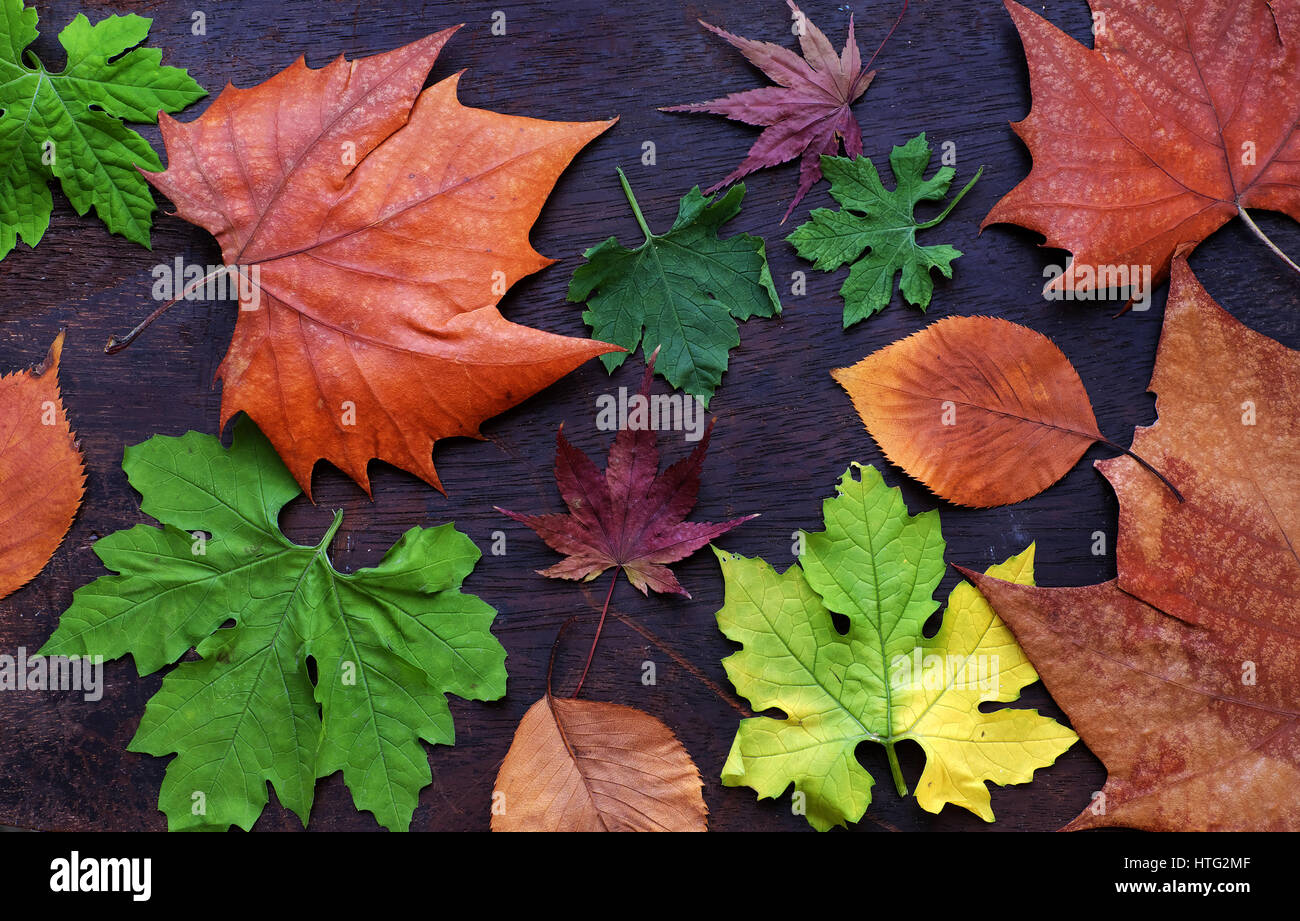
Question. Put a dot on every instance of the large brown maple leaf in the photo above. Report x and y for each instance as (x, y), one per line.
(385, 224)
(806, 114)
(1183, 673)
(1182, 116)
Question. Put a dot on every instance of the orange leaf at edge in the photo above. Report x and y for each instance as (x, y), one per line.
(42, 473)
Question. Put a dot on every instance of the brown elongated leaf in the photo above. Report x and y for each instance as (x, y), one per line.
(42, 476)
(1181, 674)
(377, 226)
(981, 410)
(582, 765)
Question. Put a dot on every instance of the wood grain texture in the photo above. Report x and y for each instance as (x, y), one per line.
(785, 430)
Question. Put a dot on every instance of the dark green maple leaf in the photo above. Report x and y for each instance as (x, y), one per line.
(880, 223)
(681, 292)
(388, 642)
(68, 125)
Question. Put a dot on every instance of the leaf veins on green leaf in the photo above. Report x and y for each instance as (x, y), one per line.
(882, 680)
(68, 125)
(875, 229)
(388, 642)
(681, 291)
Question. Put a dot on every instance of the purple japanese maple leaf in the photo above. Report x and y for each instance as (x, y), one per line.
(629, 516)
(807, 114)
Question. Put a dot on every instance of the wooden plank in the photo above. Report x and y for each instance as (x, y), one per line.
(784, 432)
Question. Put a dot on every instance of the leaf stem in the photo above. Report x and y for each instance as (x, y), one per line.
(895, 771)
(631, 200)
(867, 66)
(953, 204)
(686, 664)
(1257, 231)
(550, 665)
(1163, 479)
(600, 626)
(330, 531)
(116, 344)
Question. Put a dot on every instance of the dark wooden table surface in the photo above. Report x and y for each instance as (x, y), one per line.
(784, 431)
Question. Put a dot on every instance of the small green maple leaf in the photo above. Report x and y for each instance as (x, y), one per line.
(388, 642)
(681, 291)
(882, 224)
(68, 125)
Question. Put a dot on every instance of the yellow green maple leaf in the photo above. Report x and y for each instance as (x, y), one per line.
(882, 680)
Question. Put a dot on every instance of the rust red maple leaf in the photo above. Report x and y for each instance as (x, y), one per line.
(1181, 116)
(383, 224)
(628, 516)
(1181, 673)
(806, 114)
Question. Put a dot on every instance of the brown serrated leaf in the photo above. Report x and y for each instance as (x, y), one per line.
(582, 765)
(983, 411)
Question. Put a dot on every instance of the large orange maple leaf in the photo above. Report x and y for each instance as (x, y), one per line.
(1182, 116)
(384, 224)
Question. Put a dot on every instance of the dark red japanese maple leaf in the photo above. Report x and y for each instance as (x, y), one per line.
(807, 114)
(629, 516)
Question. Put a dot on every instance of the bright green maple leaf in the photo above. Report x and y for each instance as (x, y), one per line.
(883, 680)
(681, 291)
(68, 124)
(882, 224)
(388, 642)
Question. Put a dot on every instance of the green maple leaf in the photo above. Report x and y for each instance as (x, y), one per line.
(681, 291)
(67, 125)
(882, 224)
(883, 680)
(387, 642)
